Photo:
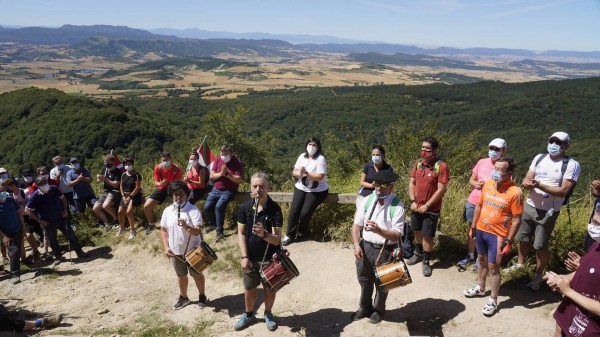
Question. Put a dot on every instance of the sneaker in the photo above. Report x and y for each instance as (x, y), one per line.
(286, 240)
(28, 261)
(474, 291)
(416, 258)
(244, 322)
(376, 317)
(181, 302)
(131, 235)
(209, 229)
(490, 308)
(476, 266)
(535, 283)
(512, 268)
(202, 301)
(149, 228)
(47, 257)
(120, 232)
(48, 322)
(360, 314)
(464, 262)
(15, 279)
(270, 320)
(426, 269)
(220, 236)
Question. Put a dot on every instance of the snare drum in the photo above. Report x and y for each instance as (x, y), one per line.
(201, 257)
(279, 272)
(392, 275)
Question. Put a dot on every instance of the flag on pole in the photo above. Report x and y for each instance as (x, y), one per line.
(117, 162)
(205, 155)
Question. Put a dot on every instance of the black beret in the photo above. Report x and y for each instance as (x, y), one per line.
(385, 176)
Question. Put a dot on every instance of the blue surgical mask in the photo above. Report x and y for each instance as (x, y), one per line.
(553, 149)
(496, 176)
(60, 166)
(167, 163)
(494, 154)
(376, 159)
(76, 166)
(3, 195)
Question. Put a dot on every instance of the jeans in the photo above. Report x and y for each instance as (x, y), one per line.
(64, 226)
(14, 252)
(216, 205)
(304, 204)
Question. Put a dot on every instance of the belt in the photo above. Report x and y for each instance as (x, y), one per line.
(378, 246)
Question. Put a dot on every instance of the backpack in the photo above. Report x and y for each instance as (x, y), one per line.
(405, 242)
(563, 169)
(436, 167)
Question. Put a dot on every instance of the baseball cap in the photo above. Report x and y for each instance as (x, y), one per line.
(499, 143)
(563, 136)
(3, 170)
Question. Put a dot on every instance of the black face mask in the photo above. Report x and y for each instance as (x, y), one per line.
(108, 165)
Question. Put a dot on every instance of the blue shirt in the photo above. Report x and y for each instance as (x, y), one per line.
(82, 189)
(9, 221)
(47, 206)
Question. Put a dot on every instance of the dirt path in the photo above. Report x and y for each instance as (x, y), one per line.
(136, 287)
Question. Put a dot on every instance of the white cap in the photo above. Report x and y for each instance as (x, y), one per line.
(3, 170)
(499, 143)
(563, 136)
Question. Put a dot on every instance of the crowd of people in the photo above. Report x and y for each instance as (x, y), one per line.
(496, 211)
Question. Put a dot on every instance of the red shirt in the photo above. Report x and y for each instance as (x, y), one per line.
(194, 175)
(426, 182)
(233, 167)
(160, 173)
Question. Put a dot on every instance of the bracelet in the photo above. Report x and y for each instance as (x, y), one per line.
(244, 257)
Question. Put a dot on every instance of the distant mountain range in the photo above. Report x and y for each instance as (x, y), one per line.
(194, 41)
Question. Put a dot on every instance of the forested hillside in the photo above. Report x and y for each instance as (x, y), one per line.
(38, 124)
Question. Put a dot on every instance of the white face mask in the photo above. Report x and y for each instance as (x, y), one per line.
(311, 149)
(226, 158)
(594, 231)
(166, 163)
(45, 176)
(376, 159)
(129, 167)
(193, 162)
(44, 188)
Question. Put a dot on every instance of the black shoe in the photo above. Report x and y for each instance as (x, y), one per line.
(209, 229)
(181, 302)
(81, 254)
(47, 257)
(376, 317)
(360, 314)
(202, 301)
(286, 240)
(220, 237)
(149, 228)
(426, 269)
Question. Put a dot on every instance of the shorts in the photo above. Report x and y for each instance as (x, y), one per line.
(112, 196)
(33, 226)
(425, 223)
(82, 203)
(469, 210)
(489, 244)
(159, 195)
(138, 200)
(538, 225)
(252, 278)
(181, 268)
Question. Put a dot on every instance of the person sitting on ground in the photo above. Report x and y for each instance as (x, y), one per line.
(165, 173)
(80, 179)
(110, 198)
(17, 325)
(181, 233)
(226, 173)
(482, 172)
(131, 197)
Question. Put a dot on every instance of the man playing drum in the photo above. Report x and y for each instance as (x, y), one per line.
(181, 232)
(378, 225)
(259, 235)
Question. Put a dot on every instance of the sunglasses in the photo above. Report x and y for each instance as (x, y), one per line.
(382, 185)
(556, 141)
(493, 148)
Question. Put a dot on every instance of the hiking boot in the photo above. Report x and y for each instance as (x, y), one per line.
(131, 235)
(466, 261)
(244, 322)
(426, 269)
(514, 267)
(286, 241)
(376, 317)
(48, 322)
(181, 302)
(416, 258)
(535, 283)
(490, 308)
(360, 314)
(270, 320)
(149, 228)
(202, 301)
(220, 237)
(474, 291)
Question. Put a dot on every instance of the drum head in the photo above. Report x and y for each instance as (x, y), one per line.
(289, 265)
(208, 250)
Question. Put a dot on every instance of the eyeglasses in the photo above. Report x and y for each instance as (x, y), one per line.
(556, 141)
(493, 148)
(382, 185)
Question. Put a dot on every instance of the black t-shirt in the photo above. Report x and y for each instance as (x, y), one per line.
(112, 174)
(271, 217)
(128, 181)
(369, 170)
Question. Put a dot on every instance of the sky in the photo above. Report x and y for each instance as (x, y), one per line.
(524, 24)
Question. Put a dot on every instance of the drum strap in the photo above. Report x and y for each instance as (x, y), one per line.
(381, 252)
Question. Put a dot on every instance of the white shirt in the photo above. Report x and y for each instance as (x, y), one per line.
(313, 165)
(547, 172)
(178, 237)
(382, 217)
(63, 187)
